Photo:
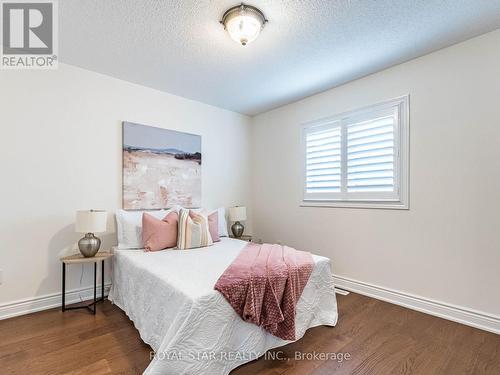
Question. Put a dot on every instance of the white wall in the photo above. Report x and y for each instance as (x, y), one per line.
(61, 151)
(447, 246)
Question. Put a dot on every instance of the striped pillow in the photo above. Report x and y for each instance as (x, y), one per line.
(193, 230)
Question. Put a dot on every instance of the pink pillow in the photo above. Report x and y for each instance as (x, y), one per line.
(213, 226)
(159, 234)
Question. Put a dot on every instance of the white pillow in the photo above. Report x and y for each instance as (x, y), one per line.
(222, 222)
(221, 216)
(129, 227)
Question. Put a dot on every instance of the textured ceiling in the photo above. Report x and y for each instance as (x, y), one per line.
(308, 46)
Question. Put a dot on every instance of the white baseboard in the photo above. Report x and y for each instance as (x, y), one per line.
(48, 301)
(458, 314)
(341, 291)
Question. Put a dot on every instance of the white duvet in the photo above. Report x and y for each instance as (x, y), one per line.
(170, 297)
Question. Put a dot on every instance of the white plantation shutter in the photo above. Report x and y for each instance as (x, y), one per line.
(370, 155)
(359, 157)
(323, 161)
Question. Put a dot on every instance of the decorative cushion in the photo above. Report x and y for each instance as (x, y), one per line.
(193, 230)
(129, 227)
(159, 234)
(213, 226)
(222, 223)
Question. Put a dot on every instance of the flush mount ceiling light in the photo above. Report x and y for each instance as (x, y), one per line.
(243, 23)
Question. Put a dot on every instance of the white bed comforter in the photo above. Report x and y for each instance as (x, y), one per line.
(170, 298)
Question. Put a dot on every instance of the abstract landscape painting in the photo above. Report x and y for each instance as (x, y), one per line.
(161, 168)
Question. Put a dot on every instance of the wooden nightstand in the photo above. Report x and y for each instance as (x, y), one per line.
(243, 238)
(101, 256)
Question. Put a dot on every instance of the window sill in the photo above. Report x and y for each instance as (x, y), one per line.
(386, 205)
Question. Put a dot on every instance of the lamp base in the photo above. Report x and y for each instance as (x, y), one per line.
(89, 245)
(237, 228)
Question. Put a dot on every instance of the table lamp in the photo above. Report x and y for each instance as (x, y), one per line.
(90, 222)
(237, 214)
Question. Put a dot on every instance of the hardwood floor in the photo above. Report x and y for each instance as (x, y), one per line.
(379, 337)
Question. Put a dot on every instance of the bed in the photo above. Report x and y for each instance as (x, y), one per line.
(170, 297)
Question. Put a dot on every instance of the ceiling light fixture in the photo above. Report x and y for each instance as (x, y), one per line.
(243, 23)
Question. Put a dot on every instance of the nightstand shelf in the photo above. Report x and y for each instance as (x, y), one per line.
(243, 238)
(101, 256)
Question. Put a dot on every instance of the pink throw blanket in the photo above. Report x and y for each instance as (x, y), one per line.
(264, 284)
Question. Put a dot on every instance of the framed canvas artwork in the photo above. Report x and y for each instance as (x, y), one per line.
(161, 168)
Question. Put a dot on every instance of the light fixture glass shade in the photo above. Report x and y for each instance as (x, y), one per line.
(91, 221)
(238, 213)
(243, 23)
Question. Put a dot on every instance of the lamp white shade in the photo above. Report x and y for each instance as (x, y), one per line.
(237, 213)
(91, 221)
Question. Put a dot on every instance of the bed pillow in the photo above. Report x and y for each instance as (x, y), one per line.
(213, 226)
(193, 230)
(222, 222)
(159, 234)
(129, 227)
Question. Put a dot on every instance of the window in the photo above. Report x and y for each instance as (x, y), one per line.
(359, 158)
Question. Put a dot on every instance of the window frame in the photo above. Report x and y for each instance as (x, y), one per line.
(399, 199)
